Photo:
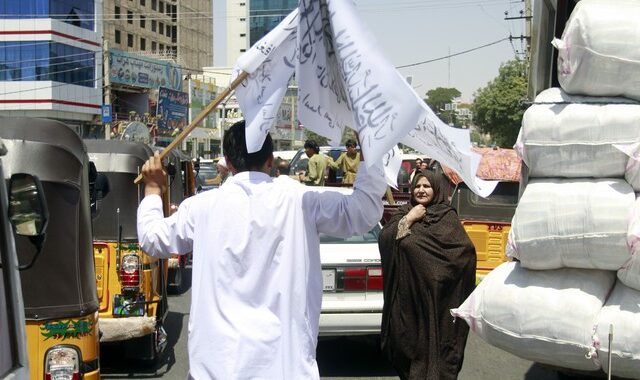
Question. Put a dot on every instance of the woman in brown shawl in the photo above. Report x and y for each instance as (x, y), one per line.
(429, 266)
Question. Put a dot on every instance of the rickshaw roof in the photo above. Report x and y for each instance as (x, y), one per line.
(117, 155)
(42, 131)
(47, 148)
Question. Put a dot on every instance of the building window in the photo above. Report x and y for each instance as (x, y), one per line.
(161, 47)
(153, 25)
(242, 4)
(117, 12)
(174, 34)
(243, 19)
(130, 40)
(154, 5)
(243, 34)
(161, 27)
(143, 21)
(161, 3)
(130, 17)
(117, 36)
(243, 50)
(143, 44)
(42, 61)
(174, 13)
(168, 31)
(143, 3)
(154, 46)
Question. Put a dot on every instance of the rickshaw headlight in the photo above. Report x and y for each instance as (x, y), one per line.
(61, 363)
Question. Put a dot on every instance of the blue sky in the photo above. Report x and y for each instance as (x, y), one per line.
(411, 31)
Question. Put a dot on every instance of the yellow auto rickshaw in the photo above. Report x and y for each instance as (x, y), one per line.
(27, 216)
(131, 286)
(57, 276)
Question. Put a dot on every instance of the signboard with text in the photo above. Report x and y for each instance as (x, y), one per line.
(141, 71)
(172, 110)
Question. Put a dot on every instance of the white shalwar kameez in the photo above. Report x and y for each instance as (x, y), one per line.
(257, 282)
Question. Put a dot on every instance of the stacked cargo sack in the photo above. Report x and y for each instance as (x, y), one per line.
(577, 225)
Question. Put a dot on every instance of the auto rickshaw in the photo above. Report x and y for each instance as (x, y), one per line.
(131, 286)
(57, 276)
(27, 216)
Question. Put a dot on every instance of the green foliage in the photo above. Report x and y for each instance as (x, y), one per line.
(438, 98)
(320, 140)
(497, 108)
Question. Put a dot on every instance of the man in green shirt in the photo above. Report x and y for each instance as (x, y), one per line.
(349, 162)
(317, 165)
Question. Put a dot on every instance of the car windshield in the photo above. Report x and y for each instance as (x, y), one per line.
(369, 237)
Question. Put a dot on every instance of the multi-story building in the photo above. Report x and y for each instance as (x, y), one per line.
(266, 15)
(231, 30)
(167, 29)
(51, 61)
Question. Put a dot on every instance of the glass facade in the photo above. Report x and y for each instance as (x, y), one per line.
(265, 15)
(80, 13)
(46, 61)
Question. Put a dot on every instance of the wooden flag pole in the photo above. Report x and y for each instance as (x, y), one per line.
(227, 91)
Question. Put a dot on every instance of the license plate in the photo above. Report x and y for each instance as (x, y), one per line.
(328, 279)
(123, 306)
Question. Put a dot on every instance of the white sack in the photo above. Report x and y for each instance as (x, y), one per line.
(542, 316)
(629, 274)
(573, 136)
(572, 223)
(599, 53)
(623, 311)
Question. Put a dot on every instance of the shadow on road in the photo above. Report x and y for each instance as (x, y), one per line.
(352, 356)
(114, 364)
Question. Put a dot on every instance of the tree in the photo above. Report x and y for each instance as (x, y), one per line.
(320, 140)
(438, 98)
(497, 108)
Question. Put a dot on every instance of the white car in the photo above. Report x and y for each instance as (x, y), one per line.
(352, 277)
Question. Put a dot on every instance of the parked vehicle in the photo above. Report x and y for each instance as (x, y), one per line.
(352, 278)
(131, 286)
(27, 216)
(300, 162)
(58, 277)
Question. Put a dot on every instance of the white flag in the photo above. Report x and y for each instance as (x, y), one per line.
(341, 71)
(345, 81)
(270, 64)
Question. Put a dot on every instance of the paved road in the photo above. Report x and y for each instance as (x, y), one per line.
(343, 358)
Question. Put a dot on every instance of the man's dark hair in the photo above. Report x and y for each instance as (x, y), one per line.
(350, 143)
(235, 149)
(313, 145)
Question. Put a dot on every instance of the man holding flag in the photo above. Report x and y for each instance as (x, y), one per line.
(257, 280)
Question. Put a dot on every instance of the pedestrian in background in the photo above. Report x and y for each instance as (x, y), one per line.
(257, 280)
(416, 169)
(316, 167)
(348, 162)
(429, 266)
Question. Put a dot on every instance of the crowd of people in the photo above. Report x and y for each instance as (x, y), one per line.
(257, 279)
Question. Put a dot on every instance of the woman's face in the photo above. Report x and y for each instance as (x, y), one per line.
(423, 192)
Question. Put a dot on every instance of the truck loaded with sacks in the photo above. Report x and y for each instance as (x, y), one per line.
(570, 295)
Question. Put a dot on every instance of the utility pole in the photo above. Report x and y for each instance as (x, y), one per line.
(107, 86)
(293, 118)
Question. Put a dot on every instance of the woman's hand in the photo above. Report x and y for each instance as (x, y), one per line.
(416, 213)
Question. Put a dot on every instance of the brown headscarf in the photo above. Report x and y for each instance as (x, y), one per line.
(426, 273)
